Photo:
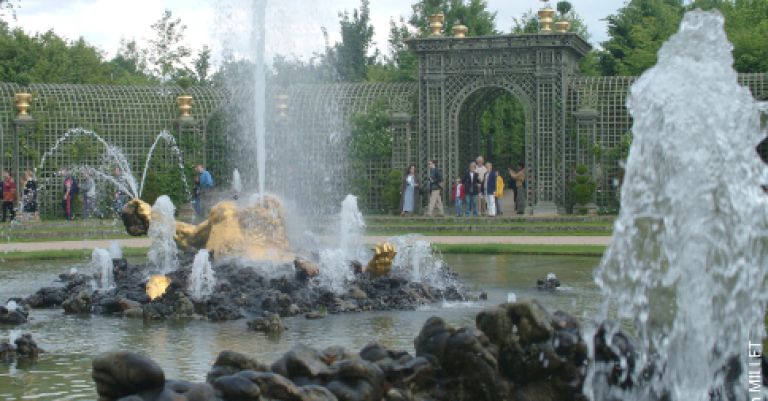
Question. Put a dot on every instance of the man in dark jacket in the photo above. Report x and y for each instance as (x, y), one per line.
(435, 189)
(471, 186)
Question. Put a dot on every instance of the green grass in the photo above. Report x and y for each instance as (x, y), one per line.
(521, 249)
(64, 254)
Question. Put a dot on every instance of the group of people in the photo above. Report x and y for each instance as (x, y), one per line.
(480, 190)
(84, 186)
(9, 195)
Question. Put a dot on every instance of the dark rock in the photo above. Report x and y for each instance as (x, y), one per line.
(120, 374)
(230, 362)
(17, 315)
(237, 387)
(550, 283)
(270, 324)
(79, 303)
(301, 362)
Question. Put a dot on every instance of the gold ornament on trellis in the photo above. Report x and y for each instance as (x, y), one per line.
(460, 31)
(185, 106)
(436, 24)
(23, 100)
(546, 18)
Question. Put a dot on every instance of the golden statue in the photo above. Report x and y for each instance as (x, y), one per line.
(256, 232)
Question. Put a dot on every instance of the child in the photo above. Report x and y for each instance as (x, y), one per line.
(457, 194)
(499, 193)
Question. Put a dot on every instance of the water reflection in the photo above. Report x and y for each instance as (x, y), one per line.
(187, 349)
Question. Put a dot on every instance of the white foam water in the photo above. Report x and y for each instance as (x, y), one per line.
(416, 261)
(335, 268)
(115, 250)
(202, 279)
(687, 263)
(101, 265)
(163, 253)
(237, 182)
(11, 306)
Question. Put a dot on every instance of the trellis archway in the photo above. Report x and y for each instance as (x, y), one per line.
(475, 98)
(535, 68)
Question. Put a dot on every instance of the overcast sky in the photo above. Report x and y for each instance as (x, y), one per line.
(293, 25)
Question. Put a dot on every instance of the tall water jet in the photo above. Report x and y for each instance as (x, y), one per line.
(351, 226)
(688, 259)
(335, 269)
(163, 253)
(101, 265)
(171, 141)
(202, 279)
(258, 46)
(237, 183)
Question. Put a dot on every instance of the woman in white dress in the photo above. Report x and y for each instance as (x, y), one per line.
(409, 192)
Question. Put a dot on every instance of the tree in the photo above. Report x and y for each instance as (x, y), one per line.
(370, 142)
(350, 56)
(129, 65)
(638, 30)
(472, 13)
(401, 64)
(636, 33)
(202, 66)
(166, 54)
(746, 23)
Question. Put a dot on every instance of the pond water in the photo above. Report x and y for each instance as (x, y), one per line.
(186, 350)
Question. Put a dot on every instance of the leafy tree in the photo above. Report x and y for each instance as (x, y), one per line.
(636, 33)
(746, 23)
(370, 142)
(472, 13)
(350, 56)
(202, 65)
(129, 65)
(638, 30)
(402, 64)
(166, 54)
(502, 129)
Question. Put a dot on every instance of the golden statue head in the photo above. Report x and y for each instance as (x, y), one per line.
(136, 216)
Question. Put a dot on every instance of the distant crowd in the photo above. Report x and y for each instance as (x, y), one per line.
(86, 188)
(478, 192)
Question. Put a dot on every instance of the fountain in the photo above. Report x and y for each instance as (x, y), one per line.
(202, 280)
(126, 181)
(686, 269)
(689, 251)
(163, 251)
(101, 264)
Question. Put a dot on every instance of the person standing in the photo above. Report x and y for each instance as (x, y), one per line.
(489, 189)
(89, 194)
(29, 195)
(481, 170)
(435, 188)
(9, 196)
(457, 193)
(409, 192)
(471, 188)
(499, 193)
(70, 190)
(205, 186)
(519, 177)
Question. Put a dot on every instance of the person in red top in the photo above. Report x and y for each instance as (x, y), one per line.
(9, 196)
(457, 194)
